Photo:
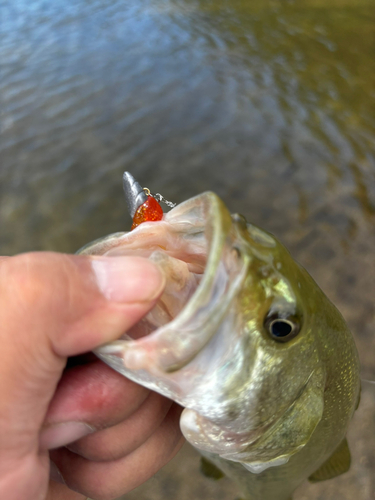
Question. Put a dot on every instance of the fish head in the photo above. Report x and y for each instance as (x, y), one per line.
(238, 338)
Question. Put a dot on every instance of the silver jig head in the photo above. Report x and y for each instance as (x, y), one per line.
(135, 195)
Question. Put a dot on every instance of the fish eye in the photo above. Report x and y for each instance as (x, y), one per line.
(282, 328)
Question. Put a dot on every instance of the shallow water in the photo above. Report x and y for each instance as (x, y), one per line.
(270, 106)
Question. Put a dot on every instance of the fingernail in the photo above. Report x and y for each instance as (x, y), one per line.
(57, 435)
(128, 279)
(55, 474)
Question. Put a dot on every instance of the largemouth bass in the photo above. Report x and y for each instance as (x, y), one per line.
(247, 343)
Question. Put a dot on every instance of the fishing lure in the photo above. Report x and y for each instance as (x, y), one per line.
(143, 206)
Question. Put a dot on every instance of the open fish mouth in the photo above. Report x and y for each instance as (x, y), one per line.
(198, 248)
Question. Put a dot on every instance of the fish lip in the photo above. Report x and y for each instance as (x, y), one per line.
(216, 225)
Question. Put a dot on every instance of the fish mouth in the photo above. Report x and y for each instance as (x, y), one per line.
(199, 248)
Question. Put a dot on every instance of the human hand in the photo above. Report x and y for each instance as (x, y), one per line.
(105, 434)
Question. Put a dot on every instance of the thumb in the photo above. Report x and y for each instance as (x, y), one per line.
(53, 306)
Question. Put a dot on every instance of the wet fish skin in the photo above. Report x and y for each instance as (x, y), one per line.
(267, 413)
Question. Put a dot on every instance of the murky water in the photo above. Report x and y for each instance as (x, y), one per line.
(270, 104)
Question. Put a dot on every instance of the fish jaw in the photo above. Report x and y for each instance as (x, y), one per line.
(161, 360)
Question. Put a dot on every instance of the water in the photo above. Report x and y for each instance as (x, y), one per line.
(270, 105)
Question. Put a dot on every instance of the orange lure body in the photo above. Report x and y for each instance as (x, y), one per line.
(150, 210)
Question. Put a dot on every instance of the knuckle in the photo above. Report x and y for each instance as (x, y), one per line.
(38, 279)
(92, 450)
(101, 447)
(100, 490)
(22, 276)
(20, 279)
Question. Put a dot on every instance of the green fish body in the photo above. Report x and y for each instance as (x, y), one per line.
(245, 340)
